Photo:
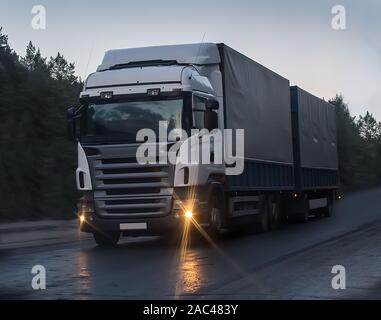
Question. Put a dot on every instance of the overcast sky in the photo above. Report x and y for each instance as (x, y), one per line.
(293, 37)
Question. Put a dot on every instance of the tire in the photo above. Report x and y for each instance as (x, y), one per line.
(106, 240)
(274, 212)
(263, 222)
(215, 218)
(302, 213)
(300, 217)
(328, 210)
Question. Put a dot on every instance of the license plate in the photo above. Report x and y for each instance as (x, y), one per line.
(133, 226)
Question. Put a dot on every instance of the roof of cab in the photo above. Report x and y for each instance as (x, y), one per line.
(197, 54)
(134, 76)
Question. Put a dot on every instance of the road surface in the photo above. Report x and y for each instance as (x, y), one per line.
(294, 262)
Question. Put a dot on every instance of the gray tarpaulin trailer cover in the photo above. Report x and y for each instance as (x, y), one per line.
(315, 142)
(257, 100)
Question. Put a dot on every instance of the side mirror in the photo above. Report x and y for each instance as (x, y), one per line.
(71, 124)
(211, 120)
(212, 104)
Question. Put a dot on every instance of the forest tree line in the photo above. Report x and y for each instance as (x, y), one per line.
(37, 161)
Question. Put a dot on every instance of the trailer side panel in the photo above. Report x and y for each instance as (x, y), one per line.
(257, 100)
(314, 140)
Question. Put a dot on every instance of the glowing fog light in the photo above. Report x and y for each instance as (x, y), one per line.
(188, 214)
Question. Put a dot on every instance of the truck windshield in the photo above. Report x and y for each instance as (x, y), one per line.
(120, 121)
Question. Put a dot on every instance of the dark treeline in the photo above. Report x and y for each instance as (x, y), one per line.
(359, 148)
(37, 162)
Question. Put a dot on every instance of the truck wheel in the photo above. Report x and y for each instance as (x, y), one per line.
(327, 211)
(274, 212)
(301, 215)
(263, 216)
(109, 239)
(215, 218)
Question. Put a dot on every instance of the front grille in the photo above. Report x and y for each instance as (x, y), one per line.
(131, 180)
(137, 207)
(126, 192)
(119, 160)
(123, 187)
(131, 170)
(127, 173)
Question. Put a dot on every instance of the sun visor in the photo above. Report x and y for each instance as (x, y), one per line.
(197, 54)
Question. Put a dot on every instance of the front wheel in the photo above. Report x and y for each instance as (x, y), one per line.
(106, 239)
(215, 218)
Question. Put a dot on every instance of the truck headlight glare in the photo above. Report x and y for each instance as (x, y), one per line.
(188, 214)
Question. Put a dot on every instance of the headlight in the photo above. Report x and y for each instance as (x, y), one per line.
(188, 214)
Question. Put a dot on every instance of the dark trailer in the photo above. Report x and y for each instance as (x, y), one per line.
(290, 141)
(315, 148)
(314, 140)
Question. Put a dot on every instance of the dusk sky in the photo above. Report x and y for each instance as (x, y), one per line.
(293, 38)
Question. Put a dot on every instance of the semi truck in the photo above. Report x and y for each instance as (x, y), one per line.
(290, 164)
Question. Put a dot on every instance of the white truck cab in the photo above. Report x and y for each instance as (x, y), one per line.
(131, 90)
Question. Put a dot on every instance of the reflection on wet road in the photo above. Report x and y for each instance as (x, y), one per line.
(148, 268)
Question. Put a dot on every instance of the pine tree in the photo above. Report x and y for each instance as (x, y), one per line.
(33, 59)
(61, 70)
(369, 128)
(4, 46)
(28, 60)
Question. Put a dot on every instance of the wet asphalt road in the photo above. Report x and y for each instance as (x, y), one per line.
(239, 266)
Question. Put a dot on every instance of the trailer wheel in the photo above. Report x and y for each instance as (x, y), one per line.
(301, 213)
(263, 216)
(327, 211)
(106, 239)
(274, 212)
(300, 217)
